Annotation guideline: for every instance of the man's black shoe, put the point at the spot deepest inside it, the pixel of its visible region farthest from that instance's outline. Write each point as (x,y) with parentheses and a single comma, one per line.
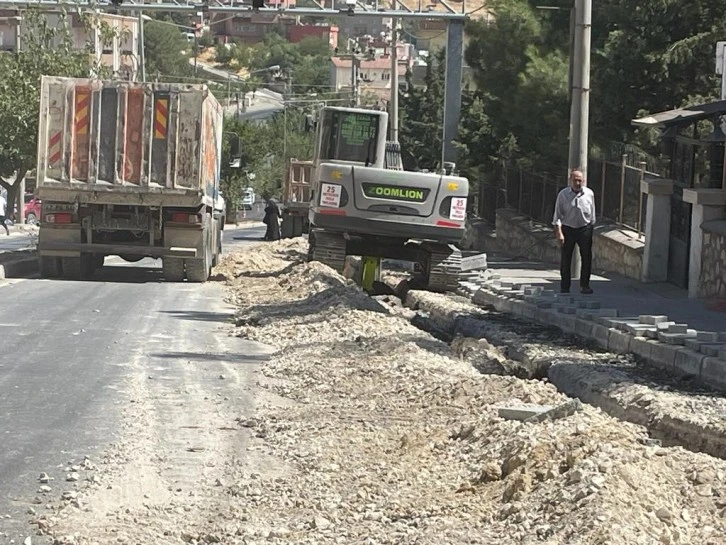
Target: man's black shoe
(586,291)
(564,291)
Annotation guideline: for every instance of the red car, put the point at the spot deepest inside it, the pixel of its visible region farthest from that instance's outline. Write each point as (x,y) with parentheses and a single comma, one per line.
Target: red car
(32,209)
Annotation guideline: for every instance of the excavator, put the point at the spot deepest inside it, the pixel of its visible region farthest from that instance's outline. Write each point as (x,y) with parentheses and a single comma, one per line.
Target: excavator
(362,202)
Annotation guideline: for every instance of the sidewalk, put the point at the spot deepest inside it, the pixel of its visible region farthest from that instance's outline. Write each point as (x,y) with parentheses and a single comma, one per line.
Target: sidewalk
(22,237)
(657,322)
(629,297)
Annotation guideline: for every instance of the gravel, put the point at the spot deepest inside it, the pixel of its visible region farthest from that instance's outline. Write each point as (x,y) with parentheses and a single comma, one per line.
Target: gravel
(393,437)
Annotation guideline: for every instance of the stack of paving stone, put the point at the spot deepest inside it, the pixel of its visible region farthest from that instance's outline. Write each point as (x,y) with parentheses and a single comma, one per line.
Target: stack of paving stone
(663,343)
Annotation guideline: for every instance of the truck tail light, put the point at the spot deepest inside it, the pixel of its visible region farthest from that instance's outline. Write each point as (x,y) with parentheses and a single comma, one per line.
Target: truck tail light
(183,217)
(59,217)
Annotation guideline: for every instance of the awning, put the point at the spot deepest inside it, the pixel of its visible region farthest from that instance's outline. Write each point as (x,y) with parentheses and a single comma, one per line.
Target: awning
(682,116)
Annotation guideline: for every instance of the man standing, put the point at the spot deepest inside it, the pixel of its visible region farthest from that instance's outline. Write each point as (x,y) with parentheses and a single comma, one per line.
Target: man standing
(574,220)
(3,204)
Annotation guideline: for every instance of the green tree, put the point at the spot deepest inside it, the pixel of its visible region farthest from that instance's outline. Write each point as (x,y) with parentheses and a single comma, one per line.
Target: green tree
(165,50)
(264,149)
(46,50)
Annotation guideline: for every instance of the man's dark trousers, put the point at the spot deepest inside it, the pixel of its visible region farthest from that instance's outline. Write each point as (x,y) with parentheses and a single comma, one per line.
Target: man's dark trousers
(582,236)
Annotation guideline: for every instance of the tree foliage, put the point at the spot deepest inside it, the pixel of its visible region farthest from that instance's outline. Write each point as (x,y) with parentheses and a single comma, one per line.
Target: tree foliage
(306,62)
(264,148)
(165,50)
(646,57)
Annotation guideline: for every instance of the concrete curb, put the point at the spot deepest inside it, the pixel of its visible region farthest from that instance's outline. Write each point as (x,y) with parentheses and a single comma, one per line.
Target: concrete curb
(616,334)
(612,390)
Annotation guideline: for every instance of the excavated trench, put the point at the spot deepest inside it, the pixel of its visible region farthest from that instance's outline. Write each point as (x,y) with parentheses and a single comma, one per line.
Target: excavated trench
(674,411)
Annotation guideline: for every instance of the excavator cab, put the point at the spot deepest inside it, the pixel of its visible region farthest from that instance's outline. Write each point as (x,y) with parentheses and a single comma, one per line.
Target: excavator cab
(351,136)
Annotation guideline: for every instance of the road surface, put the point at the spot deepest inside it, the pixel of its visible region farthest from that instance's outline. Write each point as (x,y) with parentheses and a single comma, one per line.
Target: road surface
(77,359)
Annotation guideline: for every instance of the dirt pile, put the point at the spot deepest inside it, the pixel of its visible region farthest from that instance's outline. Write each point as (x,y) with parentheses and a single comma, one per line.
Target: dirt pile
(394,439)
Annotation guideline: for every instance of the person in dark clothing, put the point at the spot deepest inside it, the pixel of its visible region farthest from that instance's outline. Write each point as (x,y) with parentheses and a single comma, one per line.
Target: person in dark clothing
(272,220)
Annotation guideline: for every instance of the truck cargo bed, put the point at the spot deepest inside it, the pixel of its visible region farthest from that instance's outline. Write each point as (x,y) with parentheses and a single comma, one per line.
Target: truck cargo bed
(121,142)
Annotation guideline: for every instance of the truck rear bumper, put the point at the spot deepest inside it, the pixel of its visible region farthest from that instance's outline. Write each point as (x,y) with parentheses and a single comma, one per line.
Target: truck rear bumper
(392,229)
(75,248)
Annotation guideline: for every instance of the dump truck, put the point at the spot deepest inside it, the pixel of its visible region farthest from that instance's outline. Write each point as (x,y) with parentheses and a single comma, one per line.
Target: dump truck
(132,170)
(363,204)
(296,198)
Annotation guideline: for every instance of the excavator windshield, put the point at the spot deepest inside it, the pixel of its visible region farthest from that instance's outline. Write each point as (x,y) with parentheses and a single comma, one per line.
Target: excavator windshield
(350,136)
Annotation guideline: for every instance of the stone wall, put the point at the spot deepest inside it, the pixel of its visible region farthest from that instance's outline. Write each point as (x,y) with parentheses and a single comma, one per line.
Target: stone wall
(713,260)
(615,249)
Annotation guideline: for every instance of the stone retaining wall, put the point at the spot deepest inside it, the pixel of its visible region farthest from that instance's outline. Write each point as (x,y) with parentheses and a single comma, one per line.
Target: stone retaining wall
(713,260)
(615,249)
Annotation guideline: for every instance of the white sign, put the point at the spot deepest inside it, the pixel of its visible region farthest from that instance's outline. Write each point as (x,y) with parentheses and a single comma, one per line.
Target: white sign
(458,209)
(330,195)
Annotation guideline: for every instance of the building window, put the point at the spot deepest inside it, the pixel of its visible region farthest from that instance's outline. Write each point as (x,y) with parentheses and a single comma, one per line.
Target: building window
(385,76)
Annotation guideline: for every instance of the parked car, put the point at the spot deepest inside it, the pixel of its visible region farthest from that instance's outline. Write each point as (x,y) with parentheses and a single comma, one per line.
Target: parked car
(32,209)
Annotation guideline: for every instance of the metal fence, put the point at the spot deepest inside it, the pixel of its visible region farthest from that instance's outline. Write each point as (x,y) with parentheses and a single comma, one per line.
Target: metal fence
(616,186)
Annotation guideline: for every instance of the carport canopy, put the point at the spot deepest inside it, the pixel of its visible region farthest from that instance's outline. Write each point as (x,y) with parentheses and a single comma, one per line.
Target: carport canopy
(682,116)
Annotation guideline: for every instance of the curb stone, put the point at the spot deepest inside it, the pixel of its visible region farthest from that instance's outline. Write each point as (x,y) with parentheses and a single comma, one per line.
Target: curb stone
(709,371)
(612,390)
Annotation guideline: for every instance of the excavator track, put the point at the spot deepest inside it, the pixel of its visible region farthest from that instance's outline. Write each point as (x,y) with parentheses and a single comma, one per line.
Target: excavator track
(443,268)
(328,248)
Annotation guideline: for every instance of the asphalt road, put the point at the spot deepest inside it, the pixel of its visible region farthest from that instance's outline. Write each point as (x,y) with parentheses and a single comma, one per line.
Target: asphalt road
(70,352)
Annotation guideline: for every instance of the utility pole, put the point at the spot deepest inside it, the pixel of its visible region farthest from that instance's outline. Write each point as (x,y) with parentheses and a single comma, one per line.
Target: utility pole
(580,106)
(394,79)
(142,59)
(452,90)
(355,78)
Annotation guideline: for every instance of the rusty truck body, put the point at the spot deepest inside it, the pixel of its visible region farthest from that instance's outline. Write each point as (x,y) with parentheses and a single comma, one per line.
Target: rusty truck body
(129,169)
(296,198)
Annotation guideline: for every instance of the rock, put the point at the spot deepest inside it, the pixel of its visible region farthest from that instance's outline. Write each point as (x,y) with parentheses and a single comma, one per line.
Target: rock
(575,476)
(28,541)
(664,514)
(491,472)
(45,489)
(320,523)
(72,477)
(44,478)
(70,495)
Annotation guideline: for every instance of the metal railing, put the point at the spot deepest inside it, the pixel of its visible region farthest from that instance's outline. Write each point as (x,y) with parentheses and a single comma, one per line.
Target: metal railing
(618,197)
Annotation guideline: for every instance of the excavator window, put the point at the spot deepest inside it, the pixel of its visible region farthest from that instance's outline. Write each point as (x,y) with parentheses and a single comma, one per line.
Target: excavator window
(349,136)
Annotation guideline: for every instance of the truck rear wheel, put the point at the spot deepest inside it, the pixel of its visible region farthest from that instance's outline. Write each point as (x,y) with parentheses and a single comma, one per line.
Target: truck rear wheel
(49,266)
(198,270)
(173,269)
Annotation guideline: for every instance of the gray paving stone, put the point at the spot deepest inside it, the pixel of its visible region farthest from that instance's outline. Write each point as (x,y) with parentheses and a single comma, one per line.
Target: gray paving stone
(676,338)
(652,319)
(639,330)
(678,328)
(663,355)
(707,336)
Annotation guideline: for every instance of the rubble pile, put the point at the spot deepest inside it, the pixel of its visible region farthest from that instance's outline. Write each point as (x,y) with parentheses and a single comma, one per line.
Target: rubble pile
(393,437)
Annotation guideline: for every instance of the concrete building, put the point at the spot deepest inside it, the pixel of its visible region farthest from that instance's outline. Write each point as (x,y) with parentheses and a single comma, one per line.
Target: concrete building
(120,55)
(374,75)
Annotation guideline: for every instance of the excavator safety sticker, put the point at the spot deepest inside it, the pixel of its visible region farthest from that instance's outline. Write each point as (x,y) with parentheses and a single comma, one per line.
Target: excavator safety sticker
(408,194)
